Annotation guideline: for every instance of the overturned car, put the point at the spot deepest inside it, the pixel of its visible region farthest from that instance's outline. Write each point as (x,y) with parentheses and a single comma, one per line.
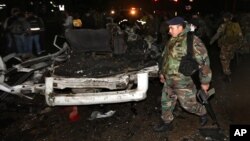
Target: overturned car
(84,71)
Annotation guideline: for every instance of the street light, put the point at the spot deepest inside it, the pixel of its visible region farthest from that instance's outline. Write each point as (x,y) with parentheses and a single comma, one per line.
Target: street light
(133,11)
(112,12)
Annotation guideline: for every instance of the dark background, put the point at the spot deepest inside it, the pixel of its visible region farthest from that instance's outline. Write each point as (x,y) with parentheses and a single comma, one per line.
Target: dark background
(203,6)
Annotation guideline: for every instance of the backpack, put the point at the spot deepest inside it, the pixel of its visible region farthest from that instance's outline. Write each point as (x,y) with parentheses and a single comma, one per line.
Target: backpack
(188,64)
(231,33)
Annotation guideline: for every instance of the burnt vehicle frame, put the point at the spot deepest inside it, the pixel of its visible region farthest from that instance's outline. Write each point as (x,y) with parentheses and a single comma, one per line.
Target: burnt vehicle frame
(122,86)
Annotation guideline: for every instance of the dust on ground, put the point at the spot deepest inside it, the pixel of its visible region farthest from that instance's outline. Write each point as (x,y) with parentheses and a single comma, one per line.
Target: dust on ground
(132,121)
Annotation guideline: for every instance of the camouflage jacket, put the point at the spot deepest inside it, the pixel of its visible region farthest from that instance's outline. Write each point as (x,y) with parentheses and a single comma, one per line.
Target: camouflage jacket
(223,38)
(177,48)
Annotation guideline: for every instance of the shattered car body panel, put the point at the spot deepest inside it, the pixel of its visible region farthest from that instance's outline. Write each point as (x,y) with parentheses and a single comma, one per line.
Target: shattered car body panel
(109,83)
(77,77)
(26,76)
(2,70)
(98,79)
(137,94)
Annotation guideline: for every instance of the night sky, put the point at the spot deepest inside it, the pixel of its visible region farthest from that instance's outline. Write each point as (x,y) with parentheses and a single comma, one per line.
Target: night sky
(198,5)
(204,6)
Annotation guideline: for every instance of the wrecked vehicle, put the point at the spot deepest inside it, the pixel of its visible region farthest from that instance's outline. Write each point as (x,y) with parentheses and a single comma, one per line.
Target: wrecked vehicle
(84,71)
(23,77)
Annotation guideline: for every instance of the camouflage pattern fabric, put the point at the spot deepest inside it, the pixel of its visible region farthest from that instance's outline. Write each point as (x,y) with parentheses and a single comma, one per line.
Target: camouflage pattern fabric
(182,88)
(227,44)
(178,86)
(232,33)
(226,55)
(177,48)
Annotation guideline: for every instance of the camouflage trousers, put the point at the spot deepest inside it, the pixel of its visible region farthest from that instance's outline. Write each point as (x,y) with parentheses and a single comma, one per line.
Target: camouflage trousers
(181,88)
(226,55)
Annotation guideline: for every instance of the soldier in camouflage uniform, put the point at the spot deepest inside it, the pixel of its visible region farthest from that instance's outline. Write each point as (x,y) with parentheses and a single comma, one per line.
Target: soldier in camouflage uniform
(176,85)
(229,38)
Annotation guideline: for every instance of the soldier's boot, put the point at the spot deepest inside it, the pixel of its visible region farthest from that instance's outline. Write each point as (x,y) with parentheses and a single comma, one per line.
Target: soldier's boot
(163,127)
(203,120)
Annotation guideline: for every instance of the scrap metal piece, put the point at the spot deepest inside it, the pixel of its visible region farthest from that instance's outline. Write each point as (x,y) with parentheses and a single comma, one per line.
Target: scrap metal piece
(97,114)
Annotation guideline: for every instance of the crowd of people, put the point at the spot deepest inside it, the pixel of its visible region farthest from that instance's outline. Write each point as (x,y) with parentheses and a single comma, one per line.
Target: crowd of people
(26,40)
(23,30)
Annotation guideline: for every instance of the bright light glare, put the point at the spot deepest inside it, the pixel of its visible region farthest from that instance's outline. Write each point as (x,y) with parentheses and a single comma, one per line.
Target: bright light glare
(61,8)
(141,21)
(112,12)
(124,20)
(2,6)
(133,11)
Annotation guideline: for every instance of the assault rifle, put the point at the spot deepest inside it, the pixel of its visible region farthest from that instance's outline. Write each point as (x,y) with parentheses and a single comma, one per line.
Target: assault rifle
(203,98)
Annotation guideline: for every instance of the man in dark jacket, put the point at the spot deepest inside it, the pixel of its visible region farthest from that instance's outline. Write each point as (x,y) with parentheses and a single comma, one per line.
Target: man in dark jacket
(36,26)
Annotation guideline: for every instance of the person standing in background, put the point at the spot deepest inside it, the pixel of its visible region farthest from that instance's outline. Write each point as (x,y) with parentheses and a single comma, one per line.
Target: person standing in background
(19,29)
(36,26)
(229,36)
(68,21)
(6,26)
